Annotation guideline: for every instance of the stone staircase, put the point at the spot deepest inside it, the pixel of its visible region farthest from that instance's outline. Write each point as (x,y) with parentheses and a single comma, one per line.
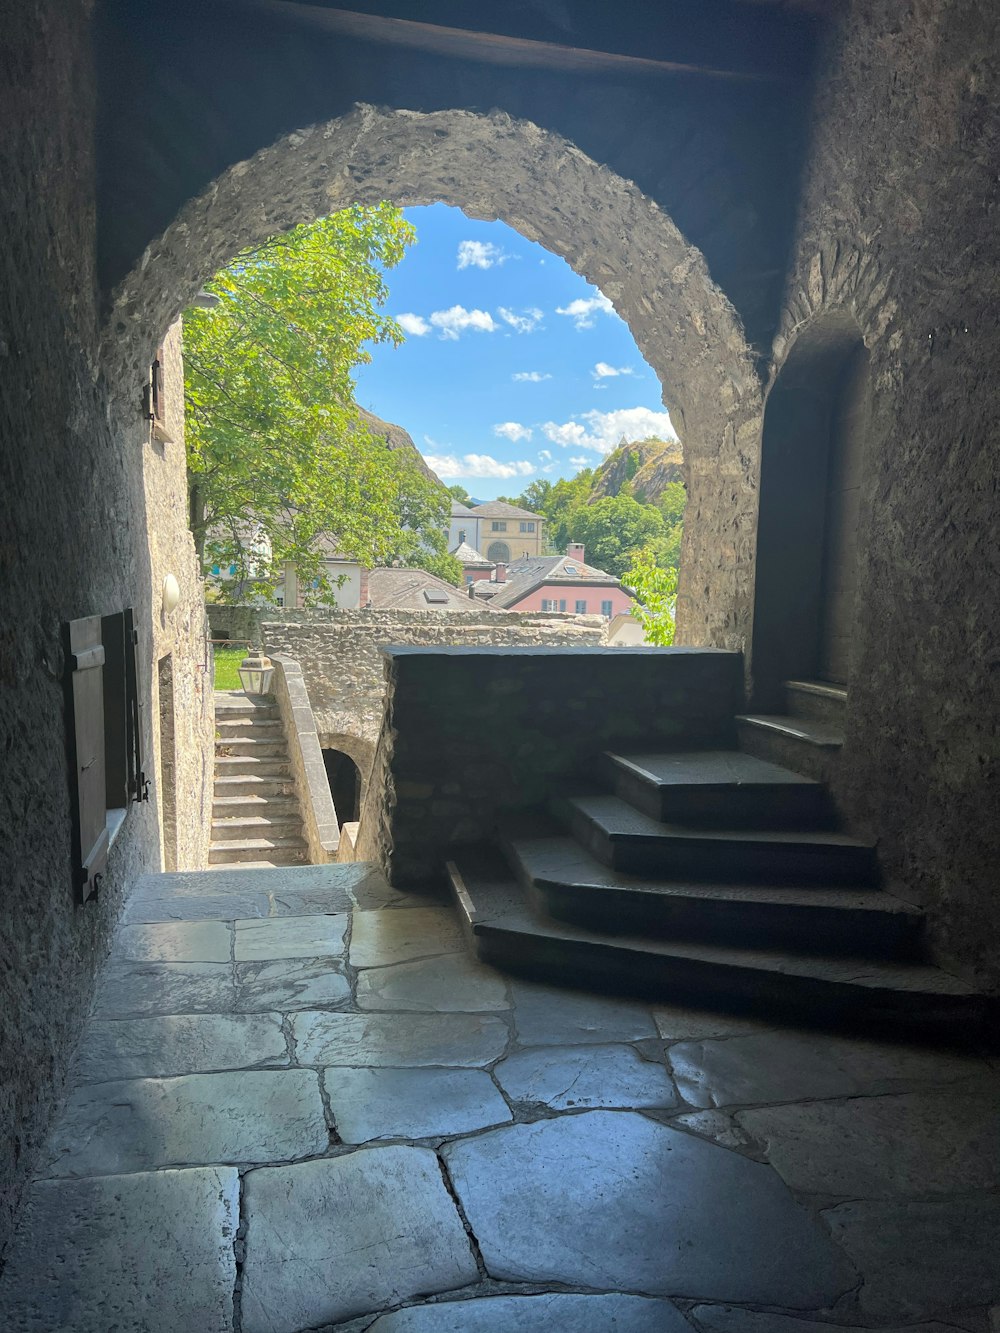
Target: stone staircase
(256,818)
(715,877)
(807,737)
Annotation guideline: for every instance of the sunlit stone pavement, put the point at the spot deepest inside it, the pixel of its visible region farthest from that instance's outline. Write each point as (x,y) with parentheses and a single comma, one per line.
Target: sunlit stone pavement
(300,1104)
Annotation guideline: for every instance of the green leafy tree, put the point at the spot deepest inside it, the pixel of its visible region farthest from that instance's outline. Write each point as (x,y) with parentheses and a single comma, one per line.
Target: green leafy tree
(460,494)
(656,592)
(613,529)
(278,458)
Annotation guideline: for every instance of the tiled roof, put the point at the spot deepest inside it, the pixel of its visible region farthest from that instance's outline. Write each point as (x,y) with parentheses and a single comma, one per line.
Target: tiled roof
(416,590)
(525,576)
(467,555)
(498,509)
(459,510)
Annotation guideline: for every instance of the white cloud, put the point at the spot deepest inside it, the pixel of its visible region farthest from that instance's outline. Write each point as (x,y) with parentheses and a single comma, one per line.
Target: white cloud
(477,465)
(523,323)
(602,371)
(601,431)
(546,463)
(581,461)
(583,310)
(512,430)
(415,325)
(530,376)
(457,320)
(480,254)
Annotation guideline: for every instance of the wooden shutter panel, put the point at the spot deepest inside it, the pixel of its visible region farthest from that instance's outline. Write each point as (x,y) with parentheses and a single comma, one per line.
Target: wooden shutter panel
(85,702)
(116,739)
(138,785)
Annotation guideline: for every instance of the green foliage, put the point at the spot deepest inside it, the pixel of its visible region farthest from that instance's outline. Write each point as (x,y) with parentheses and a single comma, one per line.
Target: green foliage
(277,456)
(656,592)
(227,662)
(460,494)
(614,528)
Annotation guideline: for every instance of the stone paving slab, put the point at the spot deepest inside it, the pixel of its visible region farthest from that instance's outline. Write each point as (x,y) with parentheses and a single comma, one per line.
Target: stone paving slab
(150,1252)
(548,1313)
(412,1103)
(786,1066)
(452,983)
(551,1016)
(380,938)
(585,1076)
(290,983)
(139,989)
(142,1124)
(922,1259)
(400,1040)
(718,1126)
(178,1044)
(187,908)
(723,1319)
(175,942)
(615,1200)
(679,1023)
(922,1143)
(291,937)
(338,1237)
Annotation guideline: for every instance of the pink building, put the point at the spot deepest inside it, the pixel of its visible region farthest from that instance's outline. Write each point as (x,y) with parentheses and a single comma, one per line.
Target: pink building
(556,583)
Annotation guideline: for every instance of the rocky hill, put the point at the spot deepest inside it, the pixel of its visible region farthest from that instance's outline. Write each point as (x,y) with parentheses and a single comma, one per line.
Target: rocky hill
(649,465)
(398,439)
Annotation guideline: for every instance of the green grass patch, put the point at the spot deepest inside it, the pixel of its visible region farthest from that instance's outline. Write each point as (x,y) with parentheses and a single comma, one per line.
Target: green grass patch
(227,663)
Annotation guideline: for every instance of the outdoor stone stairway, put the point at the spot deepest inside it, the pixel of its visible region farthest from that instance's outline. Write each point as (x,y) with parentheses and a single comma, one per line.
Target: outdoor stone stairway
(714,877)
(256,817)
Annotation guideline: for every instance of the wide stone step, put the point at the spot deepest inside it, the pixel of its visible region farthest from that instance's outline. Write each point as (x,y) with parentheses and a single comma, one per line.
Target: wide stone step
(843,990)
(257,826)
(284,851)
(235,747)
(804,745)
(252,728)
(719,787)
(818,701)
(248,784)
(623,837)
(252,765)
(564,882)
(274,807)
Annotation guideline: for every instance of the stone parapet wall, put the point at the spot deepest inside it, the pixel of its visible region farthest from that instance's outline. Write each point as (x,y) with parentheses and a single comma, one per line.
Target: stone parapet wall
(319,818)
(340,653)
(471,734)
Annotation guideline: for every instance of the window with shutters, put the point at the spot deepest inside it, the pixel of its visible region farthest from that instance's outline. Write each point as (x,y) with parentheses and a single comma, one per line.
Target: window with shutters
(581,607)
(606,609)
(104,737)
(156,400)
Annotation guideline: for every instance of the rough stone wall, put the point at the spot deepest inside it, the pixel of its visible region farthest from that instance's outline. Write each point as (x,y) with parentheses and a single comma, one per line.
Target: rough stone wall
(899,224)
(72,544)
(470,734)
(342,663)
(180,633)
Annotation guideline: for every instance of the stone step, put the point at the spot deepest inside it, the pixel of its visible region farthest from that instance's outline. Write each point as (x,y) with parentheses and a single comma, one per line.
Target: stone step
(248,784)
(564,882)
(283,851)
(841,991)
(273,807)
(626,839)
(252,765)
(266,729)
(234,747)
(719,787)
(802,744)
(237,704)
(818,701)
(257,826)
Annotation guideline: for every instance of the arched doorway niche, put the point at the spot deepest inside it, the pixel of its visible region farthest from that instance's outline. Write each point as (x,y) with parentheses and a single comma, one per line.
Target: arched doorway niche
(494,167)
(816,421)
(359,755)
(344,778)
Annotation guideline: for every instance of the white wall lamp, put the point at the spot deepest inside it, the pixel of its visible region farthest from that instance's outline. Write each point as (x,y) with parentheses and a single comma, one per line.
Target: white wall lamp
(171,594)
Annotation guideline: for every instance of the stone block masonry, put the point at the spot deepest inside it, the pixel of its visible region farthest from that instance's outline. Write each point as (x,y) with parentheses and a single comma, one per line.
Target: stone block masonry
(473,733)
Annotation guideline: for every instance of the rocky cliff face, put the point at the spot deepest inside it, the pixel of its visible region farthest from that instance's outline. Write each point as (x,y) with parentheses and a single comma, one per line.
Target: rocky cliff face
(398,439)
(649,465)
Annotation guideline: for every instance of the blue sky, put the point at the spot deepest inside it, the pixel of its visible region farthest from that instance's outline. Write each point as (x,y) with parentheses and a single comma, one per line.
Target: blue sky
(513,368)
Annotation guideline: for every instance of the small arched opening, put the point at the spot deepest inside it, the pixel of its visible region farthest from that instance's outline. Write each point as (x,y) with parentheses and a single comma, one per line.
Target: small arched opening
(344,778)
(499,552)
(815,426)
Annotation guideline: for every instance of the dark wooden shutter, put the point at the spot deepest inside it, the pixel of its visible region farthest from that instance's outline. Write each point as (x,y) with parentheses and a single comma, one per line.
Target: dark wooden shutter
(117,777)
(85,702)
(138,785)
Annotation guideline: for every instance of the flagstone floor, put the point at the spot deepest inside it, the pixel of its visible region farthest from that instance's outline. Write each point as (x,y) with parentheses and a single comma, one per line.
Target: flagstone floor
(300,1104)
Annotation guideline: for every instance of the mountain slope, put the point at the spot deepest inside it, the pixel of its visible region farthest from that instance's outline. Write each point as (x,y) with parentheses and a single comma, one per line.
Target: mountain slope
(648,465)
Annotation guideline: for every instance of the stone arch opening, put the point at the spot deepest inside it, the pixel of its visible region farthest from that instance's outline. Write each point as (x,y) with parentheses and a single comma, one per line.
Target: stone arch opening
(344,778)
(496,168)
(815,427)
(499,552)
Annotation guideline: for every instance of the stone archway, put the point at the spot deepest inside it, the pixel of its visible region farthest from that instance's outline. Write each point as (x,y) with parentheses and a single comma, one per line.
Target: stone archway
(494,167)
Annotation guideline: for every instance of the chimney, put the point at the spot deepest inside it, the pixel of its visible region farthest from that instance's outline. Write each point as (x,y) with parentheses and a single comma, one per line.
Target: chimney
(574,551)
(501,574)
(363,598)
(461,536)
(472,590)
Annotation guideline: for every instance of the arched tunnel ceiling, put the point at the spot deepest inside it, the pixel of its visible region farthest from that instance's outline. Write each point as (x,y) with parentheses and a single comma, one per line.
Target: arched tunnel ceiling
(182,101)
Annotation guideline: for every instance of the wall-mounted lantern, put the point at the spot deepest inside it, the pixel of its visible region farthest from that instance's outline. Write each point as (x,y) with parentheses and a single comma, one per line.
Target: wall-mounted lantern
(256,672)
(171,594)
